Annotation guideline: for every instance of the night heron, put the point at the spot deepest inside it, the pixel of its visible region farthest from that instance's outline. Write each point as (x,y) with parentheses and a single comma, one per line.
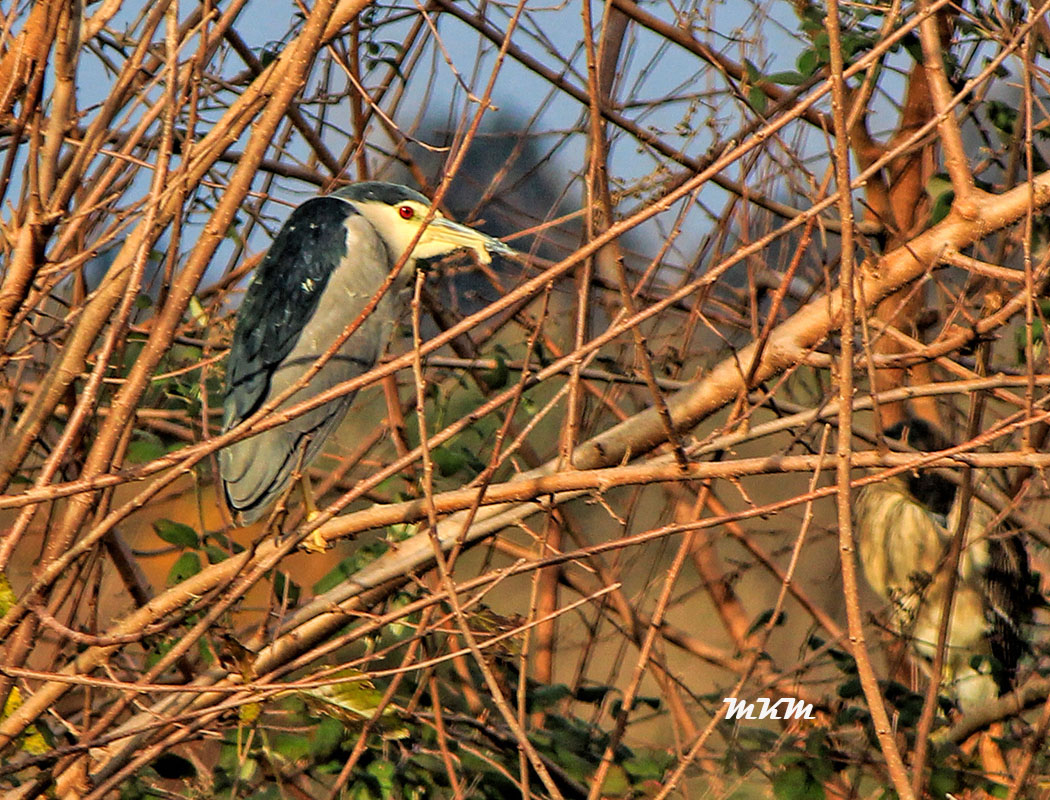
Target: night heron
(331,257)
(904,527)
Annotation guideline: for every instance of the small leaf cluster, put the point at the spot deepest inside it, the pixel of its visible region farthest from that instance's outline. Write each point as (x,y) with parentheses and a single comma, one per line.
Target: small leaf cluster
(307,736)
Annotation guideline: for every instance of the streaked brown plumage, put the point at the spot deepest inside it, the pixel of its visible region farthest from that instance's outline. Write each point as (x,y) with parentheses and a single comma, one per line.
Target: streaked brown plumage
(904,527)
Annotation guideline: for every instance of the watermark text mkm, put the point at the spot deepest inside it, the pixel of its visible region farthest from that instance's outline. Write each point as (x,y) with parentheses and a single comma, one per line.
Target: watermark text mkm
(793,709)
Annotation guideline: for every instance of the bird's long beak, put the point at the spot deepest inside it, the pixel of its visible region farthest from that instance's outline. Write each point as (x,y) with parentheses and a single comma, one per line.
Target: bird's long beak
(455,236)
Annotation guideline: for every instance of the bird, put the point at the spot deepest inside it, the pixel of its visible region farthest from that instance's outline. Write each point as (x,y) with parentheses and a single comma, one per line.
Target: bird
(330,258)
(904,527)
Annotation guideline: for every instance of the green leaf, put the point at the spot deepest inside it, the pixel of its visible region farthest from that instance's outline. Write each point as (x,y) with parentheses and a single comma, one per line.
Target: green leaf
(648,766)
(756,98)
(215,554)
(291,747)
(543,697)
(823,46)
(851,715)
(268,56)
(795,783)
(850,689)
(390,61)
(853,43)
(233,234)
(282,584)
(808,63)
(944,782)
(383,772)
(31,741)
(177,533)
(789,78)
(754,75)
(616,783)
(429,765)
(196,310)
(496,378)
(812,21)
(186,566)
(228,544)
(1021,341)
(1002,116)
(133,789)
(145,447)
(652,702)
(913,47)
(844,662)
(247,769)
(757,738)
(327,735)
(579,767)
(208,657)
(998,790)
(448,461)
(7,594)
(339,573)
(939,189)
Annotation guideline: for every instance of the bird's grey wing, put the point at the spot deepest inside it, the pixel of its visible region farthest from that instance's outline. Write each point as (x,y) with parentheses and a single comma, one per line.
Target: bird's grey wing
(317,277)
(281,299)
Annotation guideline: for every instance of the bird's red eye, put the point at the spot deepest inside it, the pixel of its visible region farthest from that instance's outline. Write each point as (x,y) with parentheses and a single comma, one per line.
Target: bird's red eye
(406,212)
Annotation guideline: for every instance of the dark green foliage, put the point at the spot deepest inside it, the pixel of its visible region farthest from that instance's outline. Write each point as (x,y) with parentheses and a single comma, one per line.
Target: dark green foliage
(497,377)
(186,566)
(797,782)
(939,189)
(285,589)
(545,697)
(451,460)
(404,758)
(144,446)
(176,533)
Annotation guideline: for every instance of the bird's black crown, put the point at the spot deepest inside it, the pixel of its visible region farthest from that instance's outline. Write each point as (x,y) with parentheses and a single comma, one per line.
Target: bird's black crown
(379,192)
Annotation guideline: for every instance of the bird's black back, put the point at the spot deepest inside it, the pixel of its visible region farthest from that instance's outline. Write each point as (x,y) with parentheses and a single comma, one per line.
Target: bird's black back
(281,300)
